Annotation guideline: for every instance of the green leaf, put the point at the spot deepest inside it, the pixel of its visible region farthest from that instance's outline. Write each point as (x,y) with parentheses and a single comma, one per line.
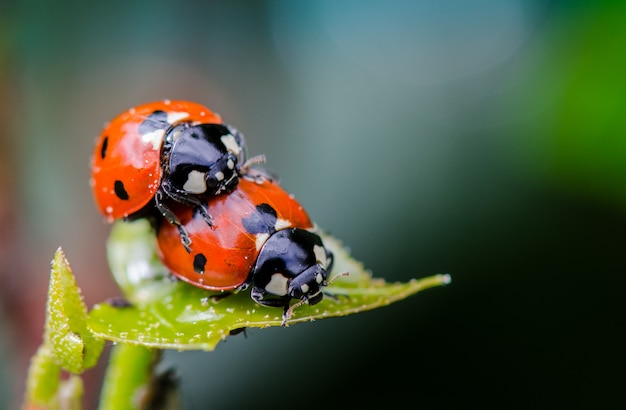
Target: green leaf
(73,345)
(135,265)
(68,344)
(186,317)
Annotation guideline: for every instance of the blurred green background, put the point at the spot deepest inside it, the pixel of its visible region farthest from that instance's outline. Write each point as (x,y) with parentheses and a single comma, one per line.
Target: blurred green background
(486,139)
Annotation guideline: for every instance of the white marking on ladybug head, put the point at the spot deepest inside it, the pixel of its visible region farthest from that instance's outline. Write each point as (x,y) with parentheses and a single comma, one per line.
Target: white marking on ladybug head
(278,285)
(319,278)
(176,117)
(304,288)
(320,255)
(196,183)
(219,175)
(155,138)
(231,143)
(230,164)
(260,240)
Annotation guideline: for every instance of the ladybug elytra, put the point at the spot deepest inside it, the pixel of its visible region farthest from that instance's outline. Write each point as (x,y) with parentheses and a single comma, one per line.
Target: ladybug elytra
(163,150)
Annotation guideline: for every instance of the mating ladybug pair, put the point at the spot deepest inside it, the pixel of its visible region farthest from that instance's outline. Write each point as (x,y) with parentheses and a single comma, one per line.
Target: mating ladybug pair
(220,224)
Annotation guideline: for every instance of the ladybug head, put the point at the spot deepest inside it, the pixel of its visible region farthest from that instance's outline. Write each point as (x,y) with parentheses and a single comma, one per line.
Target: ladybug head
(307,286)
(202,159)
(223,176)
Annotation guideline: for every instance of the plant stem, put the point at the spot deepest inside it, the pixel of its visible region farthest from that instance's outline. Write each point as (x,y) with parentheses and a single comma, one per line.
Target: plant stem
(129,378)
(43,380)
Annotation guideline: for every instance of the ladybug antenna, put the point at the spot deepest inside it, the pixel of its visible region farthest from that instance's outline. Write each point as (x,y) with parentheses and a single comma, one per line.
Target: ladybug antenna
(337,276)
(290,309)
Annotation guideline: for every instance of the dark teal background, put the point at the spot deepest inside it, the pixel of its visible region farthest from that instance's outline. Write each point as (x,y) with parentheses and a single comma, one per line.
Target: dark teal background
(486,140)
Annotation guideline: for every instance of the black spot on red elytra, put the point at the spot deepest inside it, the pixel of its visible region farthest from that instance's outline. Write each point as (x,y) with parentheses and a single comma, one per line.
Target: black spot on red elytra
(103,148)
(120,191)
(155,121)
(262,221)
(199,262)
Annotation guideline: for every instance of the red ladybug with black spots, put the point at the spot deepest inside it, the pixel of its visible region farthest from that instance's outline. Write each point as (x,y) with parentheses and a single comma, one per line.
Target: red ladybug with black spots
(261,236)
(165,150)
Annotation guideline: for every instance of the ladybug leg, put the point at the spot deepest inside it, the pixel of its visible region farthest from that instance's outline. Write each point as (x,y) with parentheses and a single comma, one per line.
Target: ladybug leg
(184,238)
(171,218)
(203,209)
(261,297)
(257,174)
(256,160)
(238,331)
(191,201)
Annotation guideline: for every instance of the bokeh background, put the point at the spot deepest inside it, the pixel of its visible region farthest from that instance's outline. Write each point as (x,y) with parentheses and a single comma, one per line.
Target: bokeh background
(486,139)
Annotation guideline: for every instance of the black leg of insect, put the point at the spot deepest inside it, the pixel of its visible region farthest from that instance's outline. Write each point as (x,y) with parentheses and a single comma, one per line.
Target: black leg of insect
(171,218)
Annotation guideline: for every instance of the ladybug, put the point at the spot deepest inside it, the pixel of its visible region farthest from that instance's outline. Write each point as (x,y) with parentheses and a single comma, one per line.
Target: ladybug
(162,150)
(261,236)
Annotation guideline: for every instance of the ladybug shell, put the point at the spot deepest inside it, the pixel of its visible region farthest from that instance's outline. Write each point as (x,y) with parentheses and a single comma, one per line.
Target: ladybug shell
(223,256)
(126,163)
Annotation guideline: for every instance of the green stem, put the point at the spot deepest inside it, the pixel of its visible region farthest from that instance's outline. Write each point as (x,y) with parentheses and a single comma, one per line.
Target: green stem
(43,380)
(129,378)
